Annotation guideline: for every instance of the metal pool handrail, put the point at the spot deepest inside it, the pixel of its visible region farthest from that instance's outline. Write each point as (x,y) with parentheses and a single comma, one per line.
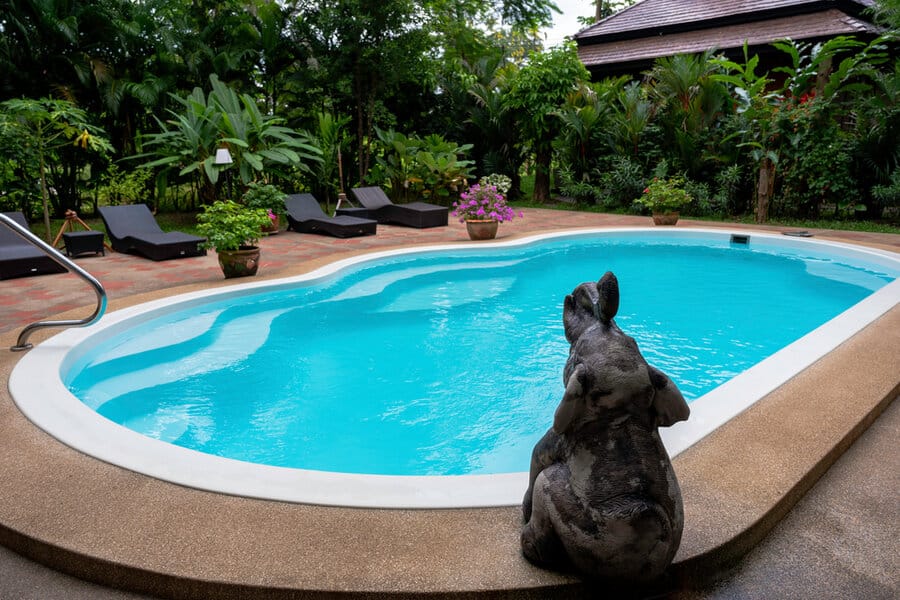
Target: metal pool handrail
(22,343)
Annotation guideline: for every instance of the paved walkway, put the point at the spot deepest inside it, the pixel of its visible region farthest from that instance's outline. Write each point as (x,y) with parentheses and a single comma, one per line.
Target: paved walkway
(841,540)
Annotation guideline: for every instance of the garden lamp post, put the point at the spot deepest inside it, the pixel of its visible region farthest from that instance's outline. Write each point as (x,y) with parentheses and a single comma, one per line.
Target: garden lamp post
(223,157)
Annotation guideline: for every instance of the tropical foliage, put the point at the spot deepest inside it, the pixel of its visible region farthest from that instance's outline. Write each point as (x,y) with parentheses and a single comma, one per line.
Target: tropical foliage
(41,129)
(430,168)
(817,134)
(423,97)
(259,145)
(535,93)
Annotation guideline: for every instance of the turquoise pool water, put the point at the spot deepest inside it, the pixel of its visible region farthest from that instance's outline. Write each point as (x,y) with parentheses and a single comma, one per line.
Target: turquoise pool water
(448,362)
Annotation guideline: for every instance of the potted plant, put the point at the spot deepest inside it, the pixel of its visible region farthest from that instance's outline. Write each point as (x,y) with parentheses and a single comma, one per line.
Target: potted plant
(498,180)
(482,208)
(268,197)
(664,198)
(233,231)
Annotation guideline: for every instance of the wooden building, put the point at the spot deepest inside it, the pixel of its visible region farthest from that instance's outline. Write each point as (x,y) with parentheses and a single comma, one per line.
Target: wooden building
(629,41)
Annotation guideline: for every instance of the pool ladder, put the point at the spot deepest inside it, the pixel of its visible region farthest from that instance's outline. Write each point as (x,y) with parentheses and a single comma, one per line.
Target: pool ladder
(22,343)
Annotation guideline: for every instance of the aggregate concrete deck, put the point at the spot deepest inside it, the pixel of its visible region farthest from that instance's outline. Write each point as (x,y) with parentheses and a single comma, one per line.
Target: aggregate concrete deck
(122,529)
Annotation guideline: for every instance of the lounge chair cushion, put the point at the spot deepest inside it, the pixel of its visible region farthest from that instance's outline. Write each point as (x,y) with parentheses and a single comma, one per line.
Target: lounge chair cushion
(305,215)
(133,229)
(413,214)
(20,258)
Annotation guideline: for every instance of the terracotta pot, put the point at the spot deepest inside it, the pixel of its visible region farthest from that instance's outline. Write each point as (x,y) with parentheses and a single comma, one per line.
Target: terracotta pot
(239,263)
(669,218)
(272,228)
(482,230)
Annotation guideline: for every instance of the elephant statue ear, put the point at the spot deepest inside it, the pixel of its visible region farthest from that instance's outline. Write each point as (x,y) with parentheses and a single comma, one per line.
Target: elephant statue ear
(608,295)
(572,403)
(668,403)
(580,311)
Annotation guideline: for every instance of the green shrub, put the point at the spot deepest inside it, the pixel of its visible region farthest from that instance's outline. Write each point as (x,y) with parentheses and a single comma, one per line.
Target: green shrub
(582,192)
(816,170)
(264,195)
(728,187)
(498,180)
(622,183)
(121,187)
(702,202)
(888,196)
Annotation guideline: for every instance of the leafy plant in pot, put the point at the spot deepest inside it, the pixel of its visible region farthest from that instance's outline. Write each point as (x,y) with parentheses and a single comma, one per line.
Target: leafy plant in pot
(233,231)
(665,198)
(268,197)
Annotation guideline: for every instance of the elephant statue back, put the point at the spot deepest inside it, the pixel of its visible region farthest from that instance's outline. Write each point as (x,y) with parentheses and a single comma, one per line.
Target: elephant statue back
(603,498)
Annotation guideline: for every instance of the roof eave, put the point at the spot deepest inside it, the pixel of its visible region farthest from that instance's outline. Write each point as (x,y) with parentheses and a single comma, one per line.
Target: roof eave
(584,37)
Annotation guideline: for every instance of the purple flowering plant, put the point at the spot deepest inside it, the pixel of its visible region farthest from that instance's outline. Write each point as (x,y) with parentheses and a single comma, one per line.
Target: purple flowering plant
(482,202)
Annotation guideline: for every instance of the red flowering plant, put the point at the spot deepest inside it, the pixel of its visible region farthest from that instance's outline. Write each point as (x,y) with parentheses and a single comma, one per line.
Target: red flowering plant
(482,202)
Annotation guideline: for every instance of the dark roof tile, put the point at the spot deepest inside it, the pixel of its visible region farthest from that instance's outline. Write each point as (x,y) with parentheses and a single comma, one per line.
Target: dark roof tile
(649,15)
(816,25)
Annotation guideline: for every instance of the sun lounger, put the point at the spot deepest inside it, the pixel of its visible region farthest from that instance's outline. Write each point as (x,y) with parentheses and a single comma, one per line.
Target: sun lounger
(132,229)
(305,215)
(414,214)
(20,258)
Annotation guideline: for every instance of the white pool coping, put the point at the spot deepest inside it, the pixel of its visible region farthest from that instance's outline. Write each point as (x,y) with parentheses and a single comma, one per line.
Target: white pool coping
(37,388)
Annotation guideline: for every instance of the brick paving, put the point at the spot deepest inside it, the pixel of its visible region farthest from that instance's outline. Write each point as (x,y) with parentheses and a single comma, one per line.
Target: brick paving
(30,299)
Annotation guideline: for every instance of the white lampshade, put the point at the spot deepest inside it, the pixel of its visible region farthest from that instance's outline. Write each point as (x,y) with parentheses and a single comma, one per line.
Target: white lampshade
(223,156)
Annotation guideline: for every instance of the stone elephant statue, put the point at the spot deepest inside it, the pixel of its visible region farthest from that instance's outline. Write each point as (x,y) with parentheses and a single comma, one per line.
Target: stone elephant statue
(602,495)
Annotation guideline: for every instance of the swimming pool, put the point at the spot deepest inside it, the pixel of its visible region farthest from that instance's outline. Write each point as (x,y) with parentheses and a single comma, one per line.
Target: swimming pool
(370,289)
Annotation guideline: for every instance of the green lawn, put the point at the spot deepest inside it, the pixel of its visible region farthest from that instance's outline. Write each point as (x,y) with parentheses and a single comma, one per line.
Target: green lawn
(187,222)
(839,224)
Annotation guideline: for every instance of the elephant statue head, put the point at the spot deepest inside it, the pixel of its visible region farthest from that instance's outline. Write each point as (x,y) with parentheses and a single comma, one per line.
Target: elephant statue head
(606,371)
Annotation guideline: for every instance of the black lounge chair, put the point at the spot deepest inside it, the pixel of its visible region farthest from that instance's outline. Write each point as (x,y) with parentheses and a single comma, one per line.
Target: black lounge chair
(132,229)
(305,215)
(19,257)
(414,214)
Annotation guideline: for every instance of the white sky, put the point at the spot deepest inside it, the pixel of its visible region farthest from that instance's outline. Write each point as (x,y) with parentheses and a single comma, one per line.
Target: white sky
(567,23)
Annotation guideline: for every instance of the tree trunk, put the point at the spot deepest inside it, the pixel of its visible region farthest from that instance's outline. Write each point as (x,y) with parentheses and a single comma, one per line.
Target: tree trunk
(207,191)
(364,96)
(542,158)
(45,197)
(360,139)
(370,130)
(515,188)
(822,75)
(764,189)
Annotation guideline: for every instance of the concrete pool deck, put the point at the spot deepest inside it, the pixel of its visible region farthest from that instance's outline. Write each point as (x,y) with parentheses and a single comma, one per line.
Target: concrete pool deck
(118,528)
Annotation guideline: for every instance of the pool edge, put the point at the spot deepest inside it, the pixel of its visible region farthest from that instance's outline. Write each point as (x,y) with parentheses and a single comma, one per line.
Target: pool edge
(782,444)
(221,475)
